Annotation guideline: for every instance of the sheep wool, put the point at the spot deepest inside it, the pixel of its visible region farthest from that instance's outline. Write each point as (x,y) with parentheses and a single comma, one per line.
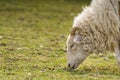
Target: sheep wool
(99,24)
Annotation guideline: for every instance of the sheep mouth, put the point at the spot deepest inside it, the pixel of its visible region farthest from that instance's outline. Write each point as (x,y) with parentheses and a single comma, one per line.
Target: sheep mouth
(74,66)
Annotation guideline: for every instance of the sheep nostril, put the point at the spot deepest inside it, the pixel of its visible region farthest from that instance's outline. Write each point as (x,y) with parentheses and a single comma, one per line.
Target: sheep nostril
(68,64)
(73,66)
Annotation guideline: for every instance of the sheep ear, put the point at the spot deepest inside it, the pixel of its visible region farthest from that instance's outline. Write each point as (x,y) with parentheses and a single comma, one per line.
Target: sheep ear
(78,38)
(74,29)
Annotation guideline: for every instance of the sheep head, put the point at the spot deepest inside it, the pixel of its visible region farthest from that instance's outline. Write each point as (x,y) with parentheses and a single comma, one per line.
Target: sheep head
(77,47)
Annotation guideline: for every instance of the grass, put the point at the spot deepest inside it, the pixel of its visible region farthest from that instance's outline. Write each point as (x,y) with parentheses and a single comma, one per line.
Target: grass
(32,43)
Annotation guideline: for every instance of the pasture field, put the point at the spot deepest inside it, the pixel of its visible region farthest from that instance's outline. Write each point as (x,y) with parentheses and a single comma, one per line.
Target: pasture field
(33,37)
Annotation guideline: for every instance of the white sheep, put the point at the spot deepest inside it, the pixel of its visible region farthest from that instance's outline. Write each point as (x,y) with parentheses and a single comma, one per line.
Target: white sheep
(95,30)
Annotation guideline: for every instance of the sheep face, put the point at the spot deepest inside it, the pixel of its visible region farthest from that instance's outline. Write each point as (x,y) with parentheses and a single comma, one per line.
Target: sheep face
(76,54)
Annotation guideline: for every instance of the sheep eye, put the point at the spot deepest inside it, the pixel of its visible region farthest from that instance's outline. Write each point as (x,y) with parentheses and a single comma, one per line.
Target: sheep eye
(72,46)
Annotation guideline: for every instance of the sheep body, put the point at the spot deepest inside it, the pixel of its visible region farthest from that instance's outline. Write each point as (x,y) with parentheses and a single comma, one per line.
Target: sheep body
(95,30)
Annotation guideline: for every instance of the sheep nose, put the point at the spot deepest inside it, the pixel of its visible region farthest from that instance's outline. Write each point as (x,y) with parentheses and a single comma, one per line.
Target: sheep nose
(68,64)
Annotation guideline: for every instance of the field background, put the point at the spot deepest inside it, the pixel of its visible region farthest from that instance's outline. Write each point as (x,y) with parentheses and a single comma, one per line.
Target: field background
(33,37)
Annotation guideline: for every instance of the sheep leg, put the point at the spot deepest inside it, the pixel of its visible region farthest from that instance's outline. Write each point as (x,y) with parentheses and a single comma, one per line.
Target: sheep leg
(117,52)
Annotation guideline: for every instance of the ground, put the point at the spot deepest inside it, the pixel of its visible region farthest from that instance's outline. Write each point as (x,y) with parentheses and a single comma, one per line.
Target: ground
(33,37)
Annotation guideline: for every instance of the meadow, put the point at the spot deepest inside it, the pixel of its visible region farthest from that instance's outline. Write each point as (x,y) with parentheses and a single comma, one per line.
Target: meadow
(33,37)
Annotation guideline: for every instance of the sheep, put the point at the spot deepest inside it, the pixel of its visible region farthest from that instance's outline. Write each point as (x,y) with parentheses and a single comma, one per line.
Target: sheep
(95,30)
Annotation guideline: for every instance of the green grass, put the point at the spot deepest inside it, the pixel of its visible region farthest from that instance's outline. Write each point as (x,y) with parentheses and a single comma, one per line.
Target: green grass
(33,37)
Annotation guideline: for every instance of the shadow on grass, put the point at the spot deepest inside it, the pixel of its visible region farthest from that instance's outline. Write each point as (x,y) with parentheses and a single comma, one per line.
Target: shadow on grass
(94,70)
